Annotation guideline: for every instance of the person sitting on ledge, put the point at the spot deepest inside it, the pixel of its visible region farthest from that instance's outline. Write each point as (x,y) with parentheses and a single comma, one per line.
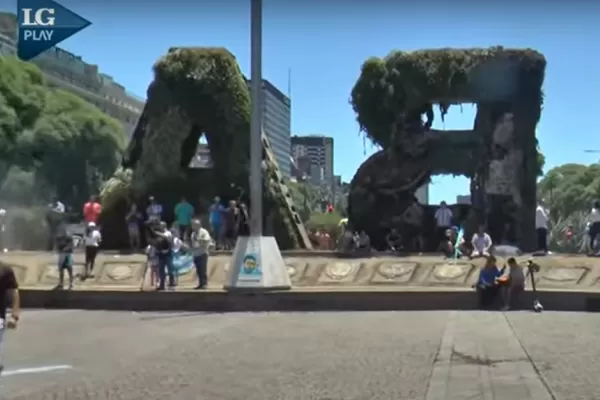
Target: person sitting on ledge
(482,243)
(487,283)
(363,242)
(449,246)
(394,240)
(515,284)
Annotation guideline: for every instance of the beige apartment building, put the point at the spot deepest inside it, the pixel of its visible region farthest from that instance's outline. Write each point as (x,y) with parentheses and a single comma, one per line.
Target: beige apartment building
(68,71)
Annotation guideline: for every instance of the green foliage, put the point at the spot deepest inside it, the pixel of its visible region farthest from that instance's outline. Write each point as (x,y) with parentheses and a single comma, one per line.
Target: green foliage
(117,189)
(569,189)
(325,222)
(67,143)
(557,241)
(208,86)
(403,82)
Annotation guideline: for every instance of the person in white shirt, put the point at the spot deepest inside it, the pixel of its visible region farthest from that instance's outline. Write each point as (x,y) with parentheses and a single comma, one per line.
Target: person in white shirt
(594,220)
(482,242)
(541,228)
(200,241)
(443,219)
(91,242)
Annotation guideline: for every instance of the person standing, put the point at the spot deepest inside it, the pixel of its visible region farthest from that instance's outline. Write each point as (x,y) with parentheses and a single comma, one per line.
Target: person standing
(133,220)
(9,289)
(200,244)
(55,217)
(64,247)
(413,223)
(164,248)
(184,212)
(244,229)
(443,220)
(154,210)
(541,228)
(215,217)
(594,220)
(92,210)
(91,241)
(232,223)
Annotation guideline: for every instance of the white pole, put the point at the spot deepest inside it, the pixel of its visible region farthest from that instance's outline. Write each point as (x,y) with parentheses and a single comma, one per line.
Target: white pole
(256,189)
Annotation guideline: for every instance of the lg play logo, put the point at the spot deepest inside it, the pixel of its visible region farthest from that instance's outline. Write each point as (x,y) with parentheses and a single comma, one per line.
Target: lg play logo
(43,24)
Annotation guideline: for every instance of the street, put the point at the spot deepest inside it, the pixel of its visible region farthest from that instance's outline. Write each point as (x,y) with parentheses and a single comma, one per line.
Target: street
(82,355)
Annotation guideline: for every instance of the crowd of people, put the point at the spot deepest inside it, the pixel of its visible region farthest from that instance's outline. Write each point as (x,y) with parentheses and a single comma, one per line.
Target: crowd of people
(165,244)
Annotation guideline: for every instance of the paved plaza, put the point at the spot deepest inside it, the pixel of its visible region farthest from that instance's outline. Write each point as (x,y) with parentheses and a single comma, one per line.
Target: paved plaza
(100,355)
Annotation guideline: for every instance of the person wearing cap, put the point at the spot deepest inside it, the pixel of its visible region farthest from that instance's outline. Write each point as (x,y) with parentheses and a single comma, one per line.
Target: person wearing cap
(91,242)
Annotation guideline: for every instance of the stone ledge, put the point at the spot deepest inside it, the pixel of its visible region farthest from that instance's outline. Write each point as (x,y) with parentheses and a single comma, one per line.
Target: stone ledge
(295,300)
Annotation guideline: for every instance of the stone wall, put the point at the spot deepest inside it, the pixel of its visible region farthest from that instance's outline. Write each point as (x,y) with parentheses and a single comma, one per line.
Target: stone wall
(125,272)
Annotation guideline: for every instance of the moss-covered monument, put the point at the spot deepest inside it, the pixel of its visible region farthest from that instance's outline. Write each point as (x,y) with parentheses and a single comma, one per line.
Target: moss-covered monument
(499,154)
(195,92)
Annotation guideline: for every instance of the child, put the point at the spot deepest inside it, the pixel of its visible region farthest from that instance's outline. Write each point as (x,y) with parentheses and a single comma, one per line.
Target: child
(515,284)
(64,247)
(152,262)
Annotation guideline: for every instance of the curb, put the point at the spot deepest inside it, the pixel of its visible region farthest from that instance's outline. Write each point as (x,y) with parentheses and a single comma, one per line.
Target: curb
(291,301)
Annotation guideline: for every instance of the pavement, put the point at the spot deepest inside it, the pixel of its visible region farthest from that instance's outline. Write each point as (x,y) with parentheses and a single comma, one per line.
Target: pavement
(68,354)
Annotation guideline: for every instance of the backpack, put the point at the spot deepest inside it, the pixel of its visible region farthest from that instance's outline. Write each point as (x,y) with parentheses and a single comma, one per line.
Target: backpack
(163,244)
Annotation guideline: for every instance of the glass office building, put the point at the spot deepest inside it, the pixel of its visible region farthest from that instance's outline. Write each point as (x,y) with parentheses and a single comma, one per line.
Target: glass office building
(277,124)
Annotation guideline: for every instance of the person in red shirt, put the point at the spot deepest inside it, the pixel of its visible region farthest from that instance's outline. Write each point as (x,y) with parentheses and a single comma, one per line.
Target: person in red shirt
(91,210)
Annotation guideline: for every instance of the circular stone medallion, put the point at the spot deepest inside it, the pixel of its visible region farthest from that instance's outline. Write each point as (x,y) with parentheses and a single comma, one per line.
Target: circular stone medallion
(120,272)
(450,271)
(338,270)
(394,271)
(564,274)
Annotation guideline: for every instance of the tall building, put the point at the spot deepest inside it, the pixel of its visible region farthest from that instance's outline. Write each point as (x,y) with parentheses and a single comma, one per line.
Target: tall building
(277,124)
(69,72)
(319,151)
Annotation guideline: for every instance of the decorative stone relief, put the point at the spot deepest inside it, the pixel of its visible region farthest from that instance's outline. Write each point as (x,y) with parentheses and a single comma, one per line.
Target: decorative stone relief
(119,272)
(564,275)
(396,271)
(451,271)
(338,270)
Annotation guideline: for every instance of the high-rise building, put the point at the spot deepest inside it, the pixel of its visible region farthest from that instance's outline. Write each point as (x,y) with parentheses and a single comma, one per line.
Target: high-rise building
(277,124)
(69,72)
(319,150)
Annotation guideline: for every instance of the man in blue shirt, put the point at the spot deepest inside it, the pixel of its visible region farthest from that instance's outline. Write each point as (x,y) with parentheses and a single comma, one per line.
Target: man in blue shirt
(184,212)
(215,217)
(487,284)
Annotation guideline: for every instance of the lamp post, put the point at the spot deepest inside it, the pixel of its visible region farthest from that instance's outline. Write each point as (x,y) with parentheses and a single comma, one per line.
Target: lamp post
(256,195)
(257,263)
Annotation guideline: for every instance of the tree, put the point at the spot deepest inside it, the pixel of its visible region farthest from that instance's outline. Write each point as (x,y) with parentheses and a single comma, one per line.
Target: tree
(570,188)
(66,142)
